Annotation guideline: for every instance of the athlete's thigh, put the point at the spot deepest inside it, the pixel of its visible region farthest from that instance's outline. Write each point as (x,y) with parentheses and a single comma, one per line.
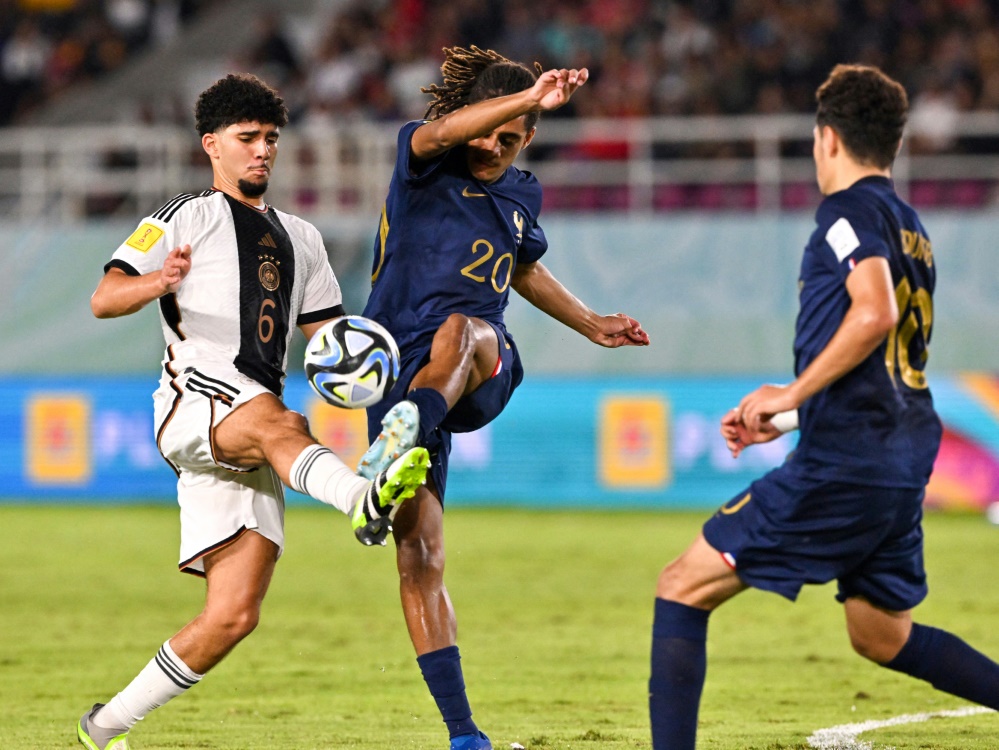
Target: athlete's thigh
(485,403)
(699,577)
(239,438)
(487,350)
(240,573)
(190,406)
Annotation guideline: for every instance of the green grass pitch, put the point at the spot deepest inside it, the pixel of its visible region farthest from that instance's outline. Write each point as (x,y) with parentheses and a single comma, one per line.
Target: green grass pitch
(554,611)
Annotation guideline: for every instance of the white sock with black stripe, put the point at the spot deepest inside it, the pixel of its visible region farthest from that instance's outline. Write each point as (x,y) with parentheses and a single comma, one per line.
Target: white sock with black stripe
(318,472)
(163,678)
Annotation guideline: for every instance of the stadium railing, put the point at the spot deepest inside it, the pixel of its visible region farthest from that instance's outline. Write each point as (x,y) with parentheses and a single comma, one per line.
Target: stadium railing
(749,163)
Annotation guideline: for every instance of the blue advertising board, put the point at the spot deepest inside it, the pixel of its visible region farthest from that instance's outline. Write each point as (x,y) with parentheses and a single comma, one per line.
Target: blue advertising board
(562,442)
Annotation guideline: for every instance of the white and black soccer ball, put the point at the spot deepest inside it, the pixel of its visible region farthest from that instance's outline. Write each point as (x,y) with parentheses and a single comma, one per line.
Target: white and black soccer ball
(352,362)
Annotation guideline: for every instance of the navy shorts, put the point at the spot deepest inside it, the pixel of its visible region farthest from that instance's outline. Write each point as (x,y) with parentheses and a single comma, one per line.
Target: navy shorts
(473,411)
(787,530)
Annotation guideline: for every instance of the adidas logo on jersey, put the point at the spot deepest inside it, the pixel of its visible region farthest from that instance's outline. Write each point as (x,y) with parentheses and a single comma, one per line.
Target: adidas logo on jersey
(267,241)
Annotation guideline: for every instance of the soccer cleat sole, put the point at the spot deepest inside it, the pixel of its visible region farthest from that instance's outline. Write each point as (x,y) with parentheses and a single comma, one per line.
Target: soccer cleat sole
(400,428)
(402,486)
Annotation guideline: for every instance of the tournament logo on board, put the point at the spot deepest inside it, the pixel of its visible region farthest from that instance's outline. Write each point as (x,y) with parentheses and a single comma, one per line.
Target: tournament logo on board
(57,434)
(633,433)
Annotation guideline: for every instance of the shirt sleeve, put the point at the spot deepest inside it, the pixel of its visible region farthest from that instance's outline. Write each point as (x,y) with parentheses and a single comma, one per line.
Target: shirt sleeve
(323,298)
(853,237)
(146,248)
(535,244)
(404,156)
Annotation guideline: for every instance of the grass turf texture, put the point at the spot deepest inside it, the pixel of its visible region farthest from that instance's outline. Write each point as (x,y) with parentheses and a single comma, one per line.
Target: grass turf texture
(554,612)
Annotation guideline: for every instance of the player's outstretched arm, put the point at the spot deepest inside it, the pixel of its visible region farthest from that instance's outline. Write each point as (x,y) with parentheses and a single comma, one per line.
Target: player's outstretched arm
(551,91)
(872,314)
(537,285)
(119,294)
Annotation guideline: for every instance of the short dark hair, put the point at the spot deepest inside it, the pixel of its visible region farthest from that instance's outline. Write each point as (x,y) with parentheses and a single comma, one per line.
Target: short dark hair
(474,75)
(239,97)
(867,109)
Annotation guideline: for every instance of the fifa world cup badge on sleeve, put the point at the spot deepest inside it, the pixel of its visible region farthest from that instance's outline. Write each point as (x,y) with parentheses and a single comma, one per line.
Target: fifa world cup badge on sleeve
(144,237)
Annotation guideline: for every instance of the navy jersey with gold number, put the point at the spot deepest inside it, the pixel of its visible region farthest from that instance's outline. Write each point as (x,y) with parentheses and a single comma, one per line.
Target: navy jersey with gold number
(448,243)
(876,425)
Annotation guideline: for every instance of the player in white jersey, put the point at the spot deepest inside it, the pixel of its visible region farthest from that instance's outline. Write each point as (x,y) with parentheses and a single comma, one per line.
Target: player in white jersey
(233,277)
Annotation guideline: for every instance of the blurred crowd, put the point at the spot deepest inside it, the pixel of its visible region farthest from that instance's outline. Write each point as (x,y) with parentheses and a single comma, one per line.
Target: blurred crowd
(369,58)
(648,57)
(46,46)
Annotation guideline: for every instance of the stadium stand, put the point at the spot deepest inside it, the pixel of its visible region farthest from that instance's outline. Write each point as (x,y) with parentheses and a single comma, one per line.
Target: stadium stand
(363,61)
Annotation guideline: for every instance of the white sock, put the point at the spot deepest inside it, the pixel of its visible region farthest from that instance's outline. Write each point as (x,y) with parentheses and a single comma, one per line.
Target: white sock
(318,472)
(163,678)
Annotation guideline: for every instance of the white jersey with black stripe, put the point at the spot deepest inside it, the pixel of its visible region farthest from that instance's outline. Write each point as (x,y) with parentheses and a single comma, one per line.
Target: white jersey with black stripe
(255,275)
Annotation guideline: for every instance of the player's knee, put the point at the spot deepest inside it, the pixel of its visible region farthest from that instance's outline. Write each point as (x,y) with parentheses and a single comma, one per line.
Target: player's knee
(294,422)
(874,647)
(672,583)
(235,622)
(457,331)
(419,560)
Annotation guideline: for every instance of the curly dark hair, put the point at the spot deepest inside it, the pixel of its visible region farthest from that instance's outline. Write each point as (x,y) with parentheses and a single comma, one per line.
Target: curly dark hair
(867,109)
(238,98)
(474,75)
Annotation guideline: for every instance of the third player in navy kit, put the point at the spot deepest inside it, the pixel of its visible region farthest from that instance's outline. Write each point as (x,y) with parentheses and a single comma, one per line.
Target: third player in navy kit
(847,503)
(458,231)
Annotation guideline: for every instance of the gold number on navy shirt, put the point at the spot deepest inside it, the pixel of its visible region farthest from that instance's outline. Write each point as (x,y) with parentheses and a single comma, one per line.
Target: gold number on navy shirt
(910,302)
(497,278)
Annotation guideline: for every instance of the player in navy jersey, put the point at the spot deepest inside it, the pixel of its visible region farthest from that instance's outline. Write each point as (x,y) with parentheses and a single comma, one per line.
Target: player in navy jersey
(232,277)
(847,503)
(460,229)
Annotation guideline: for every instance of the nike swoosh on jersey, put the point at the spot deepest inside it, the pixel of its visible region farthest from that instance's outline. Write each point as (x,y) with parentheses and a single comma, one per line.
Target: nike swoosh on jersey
(467,194)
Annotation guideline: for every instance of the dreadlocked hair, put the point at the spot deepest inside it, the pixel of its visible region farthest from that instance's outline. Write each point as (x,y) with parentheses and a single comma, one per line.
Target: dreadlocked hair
(474,75)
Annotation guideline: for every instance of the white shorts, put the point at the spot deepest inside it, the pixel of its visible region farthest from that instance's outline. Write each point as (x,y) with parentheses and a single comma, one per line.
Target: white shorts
(218,502)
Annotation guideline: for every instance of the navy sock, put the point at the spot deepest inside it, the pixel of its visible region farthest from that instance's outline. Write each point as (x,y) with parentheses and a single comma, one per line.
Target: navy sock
(442,673)
(433,409)
(949,664)
(679,663)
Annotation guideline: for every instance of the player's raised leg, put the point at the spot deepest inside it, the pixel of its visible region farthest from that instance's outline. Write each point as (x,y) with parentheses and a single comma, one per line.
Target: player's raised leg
(264,431)
(464,354)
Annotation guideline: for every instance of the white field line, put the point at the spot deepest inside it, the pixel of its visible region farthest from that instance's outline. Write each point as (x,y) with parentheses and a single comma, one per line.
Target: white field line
(844,737)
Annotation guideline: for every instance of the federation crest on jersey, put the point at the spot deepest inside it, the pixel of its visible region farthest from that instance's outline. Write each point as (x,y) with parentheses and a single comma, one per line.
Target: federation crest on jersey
(270,277)
(518,221)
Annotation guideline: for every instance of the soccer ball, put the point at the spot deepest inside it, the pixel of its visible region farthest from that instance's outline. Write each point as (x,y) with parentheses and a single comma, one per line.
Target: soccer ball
(352,362)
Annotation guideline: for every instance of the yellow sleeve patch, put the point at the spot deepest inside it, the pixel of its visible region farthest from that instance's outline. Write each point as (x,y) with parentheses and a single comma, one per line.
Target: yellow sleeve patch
(144,237)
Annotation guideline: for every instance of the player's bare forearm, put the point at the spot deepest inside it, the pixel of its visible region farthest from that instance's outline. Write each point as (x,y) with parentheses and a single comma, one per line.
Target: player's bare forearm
(119,294)
(872,314)
(552,90)
(535,283)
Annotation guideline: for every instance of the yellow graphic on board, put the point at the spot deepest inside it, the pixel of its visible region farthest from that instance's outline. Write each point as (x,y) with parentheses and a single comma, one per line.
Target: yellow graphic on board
(57,435)
(343,431)
(633,442)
